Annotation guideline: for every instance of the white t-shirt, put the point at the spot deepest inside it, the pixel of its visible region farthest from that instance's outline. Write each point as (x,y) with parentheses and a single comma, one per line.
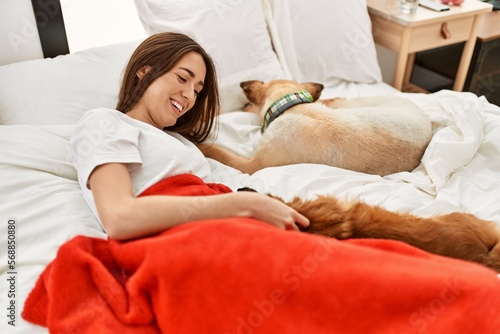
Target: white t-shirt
(106,135)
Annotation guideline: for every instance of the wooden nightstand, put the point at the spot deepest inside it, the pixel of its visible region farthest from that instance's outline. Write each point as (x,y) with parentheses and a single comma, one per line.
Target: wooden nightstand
(484,74)
(407,34)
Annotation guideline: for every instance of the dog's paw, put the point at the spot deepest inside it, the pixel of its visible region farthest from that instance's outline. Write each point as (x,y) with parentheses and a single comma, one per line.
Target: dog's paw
(207,149)
(202,146)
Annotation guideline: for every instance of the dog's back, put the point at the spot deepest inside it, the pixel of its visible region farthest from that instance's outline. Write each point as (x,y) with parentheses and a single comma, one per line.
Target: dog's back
(376,135)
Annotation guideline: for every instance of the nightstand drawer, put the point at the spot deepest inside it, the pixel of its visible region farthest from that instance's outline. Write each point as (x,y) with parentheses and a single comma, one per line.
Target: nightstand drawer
(439,34)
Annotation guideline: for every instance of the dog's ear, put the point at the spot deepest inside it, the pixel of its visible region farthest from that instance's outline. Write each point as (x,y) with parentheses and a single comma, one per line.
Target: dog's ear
(314,89)
(252,90)
(250,85)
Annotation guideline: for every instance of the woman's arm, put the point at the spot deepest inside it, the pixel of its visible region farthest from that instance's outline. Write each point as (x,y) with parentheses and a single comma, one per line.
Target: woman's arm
(125,216)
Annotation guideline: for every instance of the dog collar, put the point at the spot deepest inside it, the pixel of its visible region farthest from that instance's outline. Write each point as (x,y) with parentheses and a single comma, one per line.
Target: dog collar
(283,103)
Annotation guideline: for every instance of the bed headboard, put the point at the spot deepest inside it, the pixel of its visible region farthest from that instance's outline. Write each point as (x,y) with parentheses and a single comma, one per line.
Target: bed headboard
(50,25)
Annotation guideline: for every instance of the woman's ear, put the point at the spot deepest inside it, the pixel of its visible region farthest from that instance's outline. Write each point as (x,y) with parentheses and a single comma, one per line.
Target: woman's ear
(143,71)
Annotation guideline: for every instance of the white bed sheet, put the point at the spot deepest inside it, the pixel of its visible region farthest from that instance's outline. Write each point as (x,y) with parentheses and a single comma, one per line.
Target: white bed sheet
(460,171)
(39,190)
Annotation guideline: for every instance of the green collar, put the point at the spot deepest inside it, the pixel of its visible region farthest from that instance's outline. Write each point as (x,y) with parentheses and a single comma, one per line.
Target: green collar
(283,103)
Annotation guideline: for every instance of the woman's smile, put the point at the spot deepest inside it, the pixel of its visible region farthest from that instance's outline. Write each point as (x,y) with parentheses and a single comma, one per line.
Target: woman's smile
(177,106)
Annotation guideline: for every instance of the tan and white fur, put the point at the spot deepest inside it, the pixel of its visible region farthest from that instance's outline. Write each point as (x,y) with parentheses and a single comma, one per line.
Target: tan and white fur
(376,135)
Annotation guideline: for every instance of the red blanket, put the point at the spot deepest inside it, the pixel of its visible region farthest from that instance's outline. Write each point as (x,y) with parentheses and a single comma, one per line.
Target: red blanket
(243,276)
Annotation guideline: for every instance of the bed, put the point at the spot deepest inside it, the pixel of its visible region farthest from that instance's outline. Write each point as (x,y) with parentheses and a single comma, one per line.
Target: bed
(42,208)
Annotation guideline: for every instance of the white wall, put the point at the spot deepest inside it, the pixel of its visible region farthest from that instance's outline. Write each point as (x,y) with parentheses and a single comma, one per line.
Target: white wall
(89,23)
(18,32)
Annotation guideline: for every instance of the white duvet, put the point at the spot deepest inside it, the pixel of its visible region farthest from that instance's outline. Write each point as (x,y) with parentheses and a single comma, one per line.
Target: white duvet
(460,171)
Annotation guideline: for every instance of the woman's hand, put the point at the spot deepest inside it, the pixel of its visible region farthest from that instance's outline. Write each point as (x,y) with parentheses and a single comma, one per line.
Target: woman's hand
(271,211)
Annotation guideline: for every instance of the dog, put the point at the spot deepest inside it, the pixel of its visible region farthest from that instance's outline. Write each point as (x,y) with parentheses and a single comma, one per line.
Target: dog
(376,135)
(457,235)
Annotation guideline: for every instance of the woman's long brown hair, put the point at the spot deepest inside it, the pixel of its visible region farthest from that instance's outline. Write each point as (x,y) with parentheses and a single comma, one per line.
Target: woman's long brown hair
(161,52)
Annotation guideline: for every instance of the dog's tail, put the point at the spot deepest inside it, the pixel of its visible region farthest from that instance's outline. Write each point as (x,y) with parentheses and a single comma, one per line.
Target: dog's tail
(492,259)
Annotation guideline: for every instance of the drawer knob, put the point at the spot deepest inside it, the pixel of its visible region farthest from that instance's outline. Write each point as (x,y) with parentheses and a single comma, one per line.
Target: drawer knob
(445,33)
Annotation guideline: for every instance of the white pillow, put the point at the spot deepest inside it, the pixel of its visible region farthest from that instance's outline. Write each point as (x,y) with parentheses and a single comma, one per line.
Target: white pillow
(60,90)
(233,32)
(326,40)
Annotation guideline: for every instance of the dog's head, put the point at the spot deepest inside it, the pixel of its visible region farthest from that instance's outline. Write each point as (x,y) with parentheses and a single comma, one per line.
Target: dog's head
(262,94)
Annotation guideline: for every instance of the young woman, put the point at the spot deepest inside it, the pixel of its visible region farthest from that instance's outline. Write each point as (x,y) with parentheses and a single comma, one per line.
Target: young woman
(168,100)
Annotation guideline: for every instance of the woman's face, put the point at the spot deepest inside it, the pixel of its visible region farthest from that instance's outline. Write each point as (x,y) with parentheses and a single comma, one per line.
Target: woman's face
(171,95)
